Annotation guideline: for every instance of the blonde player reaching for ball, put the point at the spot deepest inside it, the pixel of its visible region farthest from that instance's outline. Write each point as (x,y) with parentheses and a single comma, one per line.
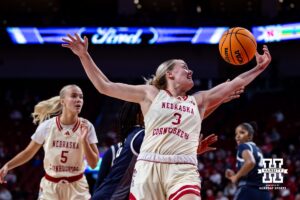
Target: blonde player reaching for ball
(66,139)
(167,163)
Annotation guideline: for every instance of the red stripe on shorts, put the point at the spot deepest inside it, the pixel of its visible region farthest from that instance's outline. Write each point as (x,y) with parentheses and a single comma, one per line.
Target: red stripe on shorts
(189,191)
(186,189)
(131,196)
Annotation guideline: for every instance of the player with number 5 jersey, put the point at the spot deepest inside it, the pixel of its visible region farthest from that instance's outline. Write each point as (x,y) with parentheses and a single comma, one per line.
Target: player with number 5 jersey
(66,139)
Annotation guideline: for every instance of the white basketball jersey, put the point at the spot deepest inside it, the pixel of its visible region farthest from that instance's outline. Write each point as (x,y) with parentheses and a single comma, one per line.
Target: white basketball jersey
(63,151)
(172,125)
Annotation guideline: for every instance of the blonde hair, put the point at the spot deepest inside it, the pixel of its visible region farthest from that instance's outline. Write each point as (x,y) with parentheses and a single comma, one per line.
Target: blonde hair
(159,79)
(50,107)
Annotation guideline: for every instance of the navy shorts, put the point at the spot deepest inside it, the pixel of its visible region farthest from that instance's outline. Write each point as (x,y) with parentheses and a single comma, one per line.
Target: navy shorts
(251,193)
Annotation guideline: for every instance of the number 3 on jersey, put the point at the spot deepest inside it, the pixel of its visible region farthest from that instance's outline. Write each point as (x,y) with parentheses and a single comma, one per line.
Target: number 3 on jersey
(177,119)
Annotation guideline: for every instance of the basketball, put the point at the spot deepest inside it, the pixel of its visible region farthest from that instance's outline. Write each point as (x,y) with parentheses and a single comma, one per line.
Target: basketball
(237,46)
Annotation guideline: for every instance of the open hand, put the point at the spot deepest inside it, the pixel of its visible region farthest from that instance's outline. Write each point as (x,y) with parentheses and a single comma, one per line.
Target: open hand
(231,175)
(263,60)
(76,44)
(3,172)
(84,129)
(204,145)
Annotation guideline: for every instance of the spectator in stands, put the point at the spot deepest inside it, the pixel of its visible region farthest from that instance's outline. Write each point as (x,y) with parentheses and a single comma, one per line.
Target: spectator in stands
(220,196)
(230,189)
(5,193)
(66,139)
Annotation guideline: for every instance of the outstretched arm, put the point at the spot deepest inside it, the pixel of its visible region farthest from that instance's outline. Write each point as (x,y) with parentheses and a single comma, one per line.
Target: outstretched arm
(236,94)
(19,159)
(117,90)
(214,96)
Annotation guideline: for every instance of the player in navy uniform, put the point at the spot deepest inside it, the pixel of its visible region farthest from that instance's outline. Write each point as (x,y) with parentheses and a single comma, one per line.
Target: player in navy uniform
(249,160)
(116,184)
(106,163)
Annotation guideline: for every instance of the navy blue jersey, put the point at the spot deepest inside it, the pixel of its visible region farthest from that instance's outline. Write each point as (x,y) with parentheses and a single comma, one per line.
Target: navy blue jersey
(249,185)
(252,178)
(106,163)
(116,185)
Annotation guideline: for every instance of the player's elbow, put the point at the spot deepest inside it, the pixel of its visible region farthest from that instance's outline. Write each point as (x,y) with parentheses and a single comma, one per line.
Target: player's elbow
(103,87)
(108,88)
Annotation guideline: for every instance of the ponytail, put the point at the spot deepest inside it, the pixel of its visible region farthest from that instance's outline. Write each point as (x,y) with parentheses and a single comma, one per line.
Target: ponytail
(45,109)
(51,107)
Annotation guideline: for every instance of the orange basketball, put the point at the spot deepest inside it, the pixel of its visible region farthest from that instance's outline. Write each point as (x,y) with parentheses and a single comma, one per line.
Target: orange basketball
(237,46)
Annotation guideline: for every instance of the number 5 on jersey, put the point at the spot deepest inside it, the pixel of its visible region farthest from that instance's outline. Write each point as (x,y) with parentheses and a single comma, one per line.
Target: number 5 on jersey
(63,156)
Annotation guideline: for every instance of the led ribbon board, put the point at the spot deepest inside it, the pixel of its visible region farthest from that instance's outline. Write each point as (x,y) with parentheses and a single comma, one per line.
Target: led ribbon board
(119,35)
(276,33)
(147,35)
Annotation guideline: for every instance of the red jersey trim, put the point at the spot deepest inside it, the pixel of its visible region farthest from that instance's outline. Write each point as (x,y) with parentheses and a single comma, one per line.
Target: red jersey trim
(58,123)
(76,126)
(182,98)
(69,179)
(60,128)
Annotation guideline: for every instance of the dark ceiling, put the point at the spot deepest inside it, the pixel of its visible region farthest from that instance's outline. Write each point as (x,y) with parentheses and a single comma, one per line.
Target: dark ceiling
(148,12)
